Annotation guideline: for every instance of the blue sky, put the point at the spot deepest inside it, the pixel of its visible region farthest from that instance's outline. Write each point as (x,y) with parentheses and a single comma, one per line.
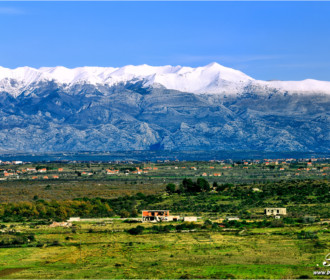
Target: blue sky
(266,40)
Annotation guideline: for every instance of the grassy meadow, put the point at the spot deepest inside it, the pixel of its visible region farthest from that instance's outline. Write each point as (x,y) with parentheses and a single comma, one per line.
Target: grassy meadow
(255,247)
(100,251)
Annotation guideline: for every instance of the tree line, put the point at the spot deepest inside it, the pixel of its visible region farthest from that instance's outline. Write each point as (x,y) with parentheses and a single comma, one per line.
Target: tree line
(196,197)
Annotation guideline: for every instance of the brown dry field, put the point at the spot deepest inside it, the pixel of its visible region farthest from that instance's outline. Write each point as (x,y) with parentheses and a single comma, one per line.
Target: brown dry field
(13,191)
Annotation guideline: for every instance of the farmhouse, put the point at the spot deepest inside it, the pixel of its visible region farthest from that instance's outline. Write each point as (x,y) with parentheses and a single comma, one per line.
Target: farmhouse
(275,211)
(155,215)
(109,171)
(163,216)
(173,218)
(31,169)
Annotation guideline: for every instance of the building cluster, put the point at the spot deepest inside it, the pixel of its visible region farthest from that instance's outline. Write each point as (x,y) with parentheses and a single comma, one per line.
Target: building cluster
(14,162)
(164,216)
(277,212)
(16,173)
(155,216)
(137,171)
(214,168)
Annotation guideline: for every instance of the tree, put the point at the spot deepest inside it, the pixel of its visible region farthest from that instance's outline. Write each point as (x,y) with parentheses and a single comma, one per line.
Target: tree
(124,214)
(202,185)
(170,188)
(61,213)
(188,185)
(222,187)
(134,213)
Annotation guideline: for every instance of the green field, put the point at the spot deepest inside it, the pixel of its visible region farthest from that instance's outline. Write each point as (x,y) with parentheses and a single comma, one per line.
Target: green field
(95,251)
(256,246)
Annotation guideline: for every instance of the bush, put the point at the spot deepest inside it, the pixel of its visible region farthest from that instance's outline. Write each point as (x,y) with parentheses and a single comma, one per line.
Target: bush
(40,244)
(277,223)
(31,237)
(19,240)
(137,230)
(187,226)
(128,221)
(170,188)
(319,245)
(56,243)
(307,235)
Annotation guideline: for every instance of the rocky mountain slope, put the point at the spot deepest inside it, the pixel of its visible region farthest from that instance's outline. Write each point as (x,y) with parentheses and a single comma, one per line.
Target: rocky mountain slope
(152,108)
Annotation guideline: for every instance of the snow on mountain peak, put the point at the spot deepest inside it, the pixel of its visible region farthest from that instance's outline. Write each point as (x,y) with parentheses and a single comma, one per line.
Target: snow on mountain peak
(305,86)
(210,79)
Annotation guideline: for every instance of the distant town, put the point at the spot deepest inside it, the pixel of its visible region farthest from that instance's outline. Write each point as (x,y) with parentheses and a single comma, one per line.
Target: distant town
(289,167)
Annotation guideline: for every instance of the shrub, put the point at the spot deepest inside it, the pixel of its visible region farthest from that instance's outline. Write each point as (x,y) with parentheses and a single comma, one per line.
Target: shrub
(170,188)
(277,223)
(128,221)
(137,230)
(31,237)
(307,235)
(304,277)
(56,243)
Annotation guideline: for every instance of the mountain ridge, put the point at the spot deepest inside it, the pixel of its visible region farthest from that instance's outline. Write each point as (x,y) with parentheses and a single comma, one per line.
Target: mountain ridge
(47,116)
(210,79)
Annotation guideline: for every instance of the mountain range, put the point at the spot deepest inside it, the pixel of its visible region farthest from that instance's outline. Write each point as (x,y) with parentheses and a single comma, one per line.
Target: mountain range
(143,107)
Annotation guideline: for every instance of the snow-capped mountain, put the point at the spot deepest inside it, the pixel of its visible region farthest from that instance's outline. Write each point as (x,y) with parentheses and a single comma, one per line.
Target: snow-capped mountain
(210,79)
(168,107)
